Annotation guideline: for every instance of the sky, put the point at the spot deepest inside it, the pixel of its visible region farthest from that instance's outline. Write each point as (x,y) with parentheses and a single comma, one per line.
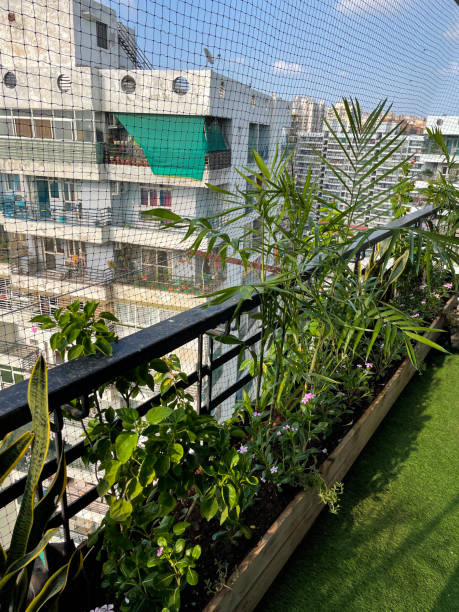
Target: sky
(405,50)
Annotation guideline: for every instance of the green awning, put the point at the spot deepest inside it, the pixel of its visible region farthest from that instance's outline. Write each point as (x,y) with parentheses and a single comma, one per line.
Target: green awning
(215,139)
(174,145)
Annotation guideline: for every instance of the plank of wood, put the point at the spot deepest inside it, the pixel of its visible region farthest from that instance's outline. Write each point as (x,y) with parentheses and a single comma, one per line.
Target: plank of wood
(253,577)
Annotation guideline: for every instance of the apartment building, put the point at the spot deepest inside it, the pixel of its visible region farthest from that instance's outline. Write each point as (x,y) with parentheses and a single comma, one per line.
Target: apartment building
(432,159)
(329,184)
(91,137)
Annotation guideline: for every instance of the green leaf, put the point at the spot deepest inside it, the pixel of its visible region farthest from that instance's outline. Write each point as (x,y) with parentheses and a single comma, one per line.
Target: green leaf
(90,308)
(196,551)
(224,515)
(209,508)
(120,510)
(159,365)
(425,340)
(162,213)
(14,568)
(75,351)
(125,444)
(103,346)
(147,471)
(180,528)
(167,502)
(133,488)
(109,316)
(192,576)
(57,582)
(230,495)
(163,465)
(157,414)
(37,397)
(177,453)
(42,319)
(398,267)
(11,454)
(179,546)
(55,340)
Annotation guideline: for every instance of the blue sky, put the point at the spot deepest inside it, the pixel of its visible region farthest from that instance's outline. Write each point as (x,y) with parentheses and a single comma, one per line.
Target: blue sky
(406,50)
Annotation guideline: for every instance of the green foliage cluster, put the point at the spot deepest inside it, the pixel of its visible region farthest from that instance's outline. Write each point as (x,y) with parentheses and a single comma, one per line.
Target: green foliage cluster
(30,536)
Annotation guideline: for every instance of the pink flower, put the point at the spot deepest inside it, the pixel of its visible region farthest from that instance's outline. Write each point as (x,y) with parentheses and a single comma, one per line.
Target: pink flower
(368,365)
(242,449)
(422,286)
(448,285)
(415,316)
(274,469)
(286,427)
(278,432)
(262,479)
(160,551)
(423,301)
(307,397)
(256,414)
(437,296)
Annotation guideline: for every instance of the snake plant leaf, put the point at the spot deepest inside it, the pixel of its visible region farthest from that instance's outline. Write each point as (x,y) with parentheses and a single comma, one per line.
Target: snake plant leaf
(37,397)
(13,453)
(47,504)
(2,560)
(14,568)
(57,582)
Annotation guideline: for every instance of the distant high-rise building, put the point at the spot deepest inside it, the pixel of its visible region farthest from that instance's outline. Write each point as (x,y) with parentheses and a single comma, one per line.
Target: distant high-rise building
(307,114)
(329,184)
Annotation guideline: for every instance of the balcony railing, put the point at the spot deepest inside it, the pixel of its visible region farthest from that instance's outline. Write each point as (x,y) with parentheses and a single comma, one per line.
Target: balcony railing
(68,271)
(129,154)
(79,378)
(166,281)
(33,211)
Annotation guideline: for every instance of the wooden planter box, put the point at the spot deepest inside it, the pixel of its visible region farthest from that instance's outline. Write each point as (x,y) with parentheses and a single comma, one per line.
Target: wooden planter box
(253,577)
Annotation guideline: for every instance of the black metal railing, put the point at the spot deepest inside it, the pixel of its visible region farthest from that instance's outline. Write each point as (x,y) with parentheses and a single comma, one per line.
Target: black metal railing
(79,378)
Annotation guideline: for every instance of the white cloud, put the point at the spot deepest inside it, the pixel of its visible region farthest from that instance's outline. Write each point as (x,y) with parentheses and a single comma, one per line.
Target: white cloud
(453,32)
(282,67)
(368,6)
(451,69)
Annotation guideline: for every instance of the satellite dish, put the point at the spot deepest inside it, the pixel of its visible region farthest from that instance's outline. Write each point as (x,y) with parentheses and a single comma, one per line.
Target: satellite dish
(209,56)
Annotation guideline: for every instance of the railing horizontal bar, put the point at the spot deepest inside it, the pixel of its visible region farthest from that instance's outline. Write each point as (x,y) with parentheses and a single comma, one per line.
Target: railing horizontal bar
(230,391)
(74,507)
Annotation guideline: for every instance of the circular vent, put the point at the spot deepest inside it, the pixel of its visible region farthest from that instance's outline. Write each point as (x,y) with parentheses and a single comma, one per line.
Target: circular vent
(439,121)
(128,84)
(180,85)
(64,83)
(10,80)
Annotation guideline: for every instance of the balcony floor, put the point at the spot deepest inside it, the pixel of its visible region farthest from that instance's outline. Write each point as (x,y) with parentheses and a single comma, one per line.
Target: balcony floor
(394,545)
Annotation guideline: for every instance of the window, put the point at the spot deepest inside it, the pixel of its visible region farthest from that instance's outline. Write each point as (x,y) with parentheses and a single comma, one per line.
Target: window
(128,84)
(63,129)
(156,265)
(43,128)
(153,197)
(84,126)
(13,182)
(137,316)
(10,375)
(23,127)
(47,305)
(102,35)
(53,249)
(6,124)
(54,189)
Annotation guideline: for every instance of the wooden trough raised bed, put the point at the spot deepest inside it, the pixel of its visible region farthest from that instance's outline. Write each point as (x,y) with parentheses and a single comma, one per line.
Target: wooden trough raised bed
(253,577)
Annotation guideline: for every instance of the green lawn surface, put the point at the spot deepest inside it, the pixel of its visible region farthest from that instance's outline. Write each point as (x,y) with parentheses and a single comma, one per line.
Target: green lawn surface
(394,545)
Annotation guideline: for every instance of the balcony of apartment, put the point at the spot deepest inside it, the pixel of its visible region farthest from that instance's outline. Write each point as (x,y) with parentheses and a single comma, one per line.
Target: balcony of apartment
(129,227)
(41,219)
(49,277)
(418,438)
(51,157)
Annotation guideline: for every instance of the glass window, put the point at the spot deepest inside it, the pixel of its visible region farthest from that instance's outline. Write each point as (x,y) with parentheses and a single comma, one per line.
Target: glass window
(148,197)
(23,128)
(102,38)
(6,374)
(13,182)
(84,131)
(166,198)
(43,128)
(63,130)
(6,126)
(54,189)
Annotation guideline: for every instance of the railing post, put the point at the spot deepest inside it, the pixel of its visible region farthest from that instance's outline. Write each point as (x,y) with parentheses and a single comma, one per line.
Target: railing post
(199,373)
(210,373)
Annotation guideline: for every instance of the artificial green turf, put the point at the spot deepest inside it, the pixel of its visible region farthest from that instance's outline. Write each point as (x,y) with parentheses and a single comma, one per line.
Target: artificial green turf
(394,545)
